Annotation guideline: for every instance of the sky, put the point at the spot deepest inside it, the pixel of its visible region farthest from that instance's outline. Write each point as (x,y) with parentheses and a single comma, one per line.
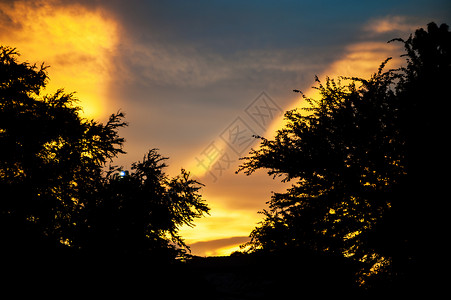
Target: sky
(196,79)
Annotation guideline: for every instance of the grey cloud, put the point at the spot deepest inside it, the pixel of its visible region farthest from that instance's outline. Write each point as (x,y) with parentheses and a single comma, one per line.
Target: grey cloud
(188,66)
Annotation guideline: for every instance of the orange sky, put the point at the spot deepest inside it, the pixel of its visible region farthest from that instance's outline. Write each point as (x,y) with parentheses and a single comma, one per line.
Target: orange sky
(83,45)
(76,42)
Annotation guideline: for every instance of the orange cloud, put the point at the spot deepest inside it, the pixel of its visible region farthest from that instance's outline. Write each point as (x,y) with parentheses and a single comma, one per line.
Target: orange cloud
(390,24)
(76,42)
(219,247)
(363,59)
(223,222)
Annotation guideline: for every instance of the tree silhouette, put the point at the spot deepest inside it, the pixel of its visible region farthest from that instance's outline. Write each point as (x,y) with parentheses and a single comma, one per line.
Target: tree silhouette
(51,158)
(55,194)
(358,157)
(140,212)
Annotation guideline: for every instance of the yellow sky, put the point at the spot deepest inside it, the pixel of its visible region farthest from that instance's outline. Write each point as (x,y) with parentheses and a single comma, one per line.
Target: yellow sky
(75,42)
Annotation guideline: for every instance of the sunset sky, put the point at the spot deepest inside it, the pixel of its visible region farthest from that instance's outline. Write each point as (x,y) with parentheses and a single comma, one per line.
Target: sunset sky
(197,79)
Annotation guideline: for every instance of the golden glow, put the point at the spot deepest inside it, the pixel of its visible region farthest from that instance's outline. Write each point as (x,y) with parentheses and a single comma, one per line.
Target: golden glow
(222,223)
(223,251)
(352,235)
(379,264)
(65,242)
(363,59)
(75,42)
(50,149)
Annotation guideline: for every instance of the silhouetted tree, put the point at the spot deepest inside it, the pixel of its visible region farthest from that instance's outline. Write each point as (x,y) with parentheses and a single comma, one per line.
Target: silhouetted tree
(51,158)
(54,192)
(414,231)
(140,212)
(365,161)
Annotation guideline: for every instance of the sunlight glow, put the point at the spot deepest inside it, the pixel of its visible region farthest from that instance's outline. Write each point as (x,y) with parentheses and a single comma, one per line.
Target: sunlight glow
(222,223)
(223,251)
(75,42)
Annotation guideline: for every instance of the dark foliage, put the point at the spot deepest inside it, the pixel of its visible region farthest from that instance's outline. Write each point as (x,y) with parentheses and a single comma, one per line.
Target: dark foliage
(366,161)
(56,197)
(140,212)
